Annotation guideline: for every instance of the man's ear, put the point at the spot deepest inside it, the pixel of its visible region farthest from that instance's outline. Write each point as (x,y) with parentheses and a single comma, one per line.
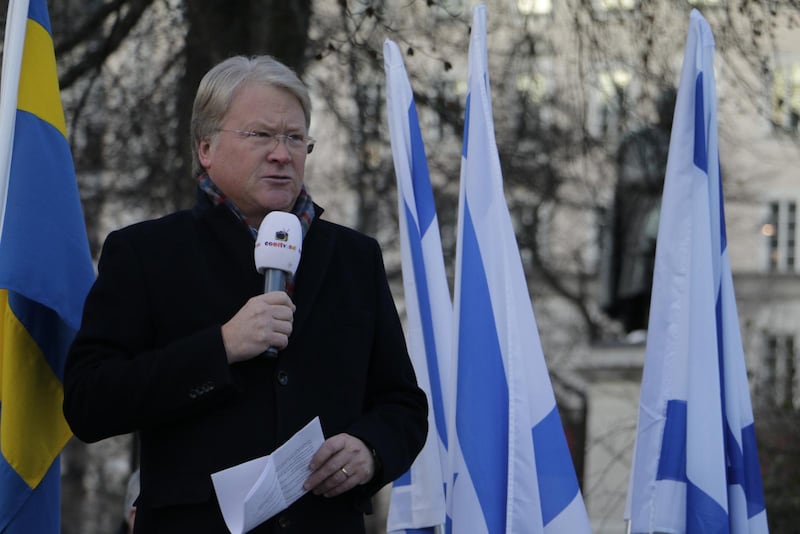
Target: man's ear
(204,152)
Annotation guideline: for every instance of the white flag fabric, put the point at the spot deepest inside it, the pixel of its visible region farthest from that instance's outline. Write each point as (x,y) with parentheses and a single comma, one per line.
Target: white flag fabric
(418,497)
(695,466)
(511,466)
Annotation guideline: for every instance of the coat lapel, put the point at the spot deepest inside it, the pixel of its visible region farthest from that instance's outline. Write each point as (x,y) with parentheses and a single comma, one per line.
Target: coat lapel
(318,247)
(224,232)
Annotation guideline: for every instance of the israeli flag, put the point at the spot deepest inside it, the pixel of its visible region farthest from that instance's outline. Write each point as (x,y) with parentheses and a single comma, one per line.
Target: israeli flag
(695,466)
(511,466)
(417,500)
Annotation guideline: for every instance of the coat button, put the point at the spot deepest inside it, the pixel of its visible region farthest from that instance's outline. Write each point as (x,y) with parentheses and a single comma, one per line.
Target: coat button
(284,521)
(283,378)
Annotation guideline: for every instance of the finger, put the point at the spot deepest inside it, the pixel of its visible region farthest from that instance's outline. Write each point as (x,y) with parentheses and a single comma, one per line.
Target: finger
(328,448)
(277,298)
(321,481)
(277,334)
(326,466)
(329,475)
(339,481)
(348,482)
(281,313)
(356,468)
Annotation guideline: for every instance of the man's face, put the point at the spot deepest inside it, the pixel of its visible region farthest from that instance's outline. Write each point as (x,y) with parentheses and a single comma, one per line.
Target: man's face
(257,178)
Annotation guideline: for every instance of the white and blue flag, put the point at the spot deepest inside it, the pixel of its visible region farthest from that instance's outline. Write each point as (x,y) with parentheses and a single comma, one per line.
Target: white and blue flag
(418,497)
(695,466)
(511,465)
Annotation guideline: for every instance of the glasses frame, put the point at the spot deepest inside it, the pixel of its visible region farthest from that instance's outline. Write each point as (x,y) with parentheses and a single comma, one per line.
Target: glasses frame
(309,141)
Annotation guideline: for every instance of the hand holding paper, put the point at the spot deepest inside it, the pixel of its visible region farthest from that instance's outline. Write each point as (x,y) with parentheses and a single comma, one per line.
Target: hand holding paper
(252,492)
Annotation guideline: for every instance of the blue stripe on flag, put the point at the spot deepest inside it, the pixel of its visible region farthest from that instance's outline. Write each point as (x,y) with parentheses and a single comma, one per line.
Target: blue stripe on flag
(30,511)
(743,466)
(672,461)
(735,459)
(753,490)
(704,514)
(423,195)
(15,490)
(702,511)
(482,404)
(426,320)
(426,213)
(404,479)
(62,236)
(554,470)
(38,12)
(700,149)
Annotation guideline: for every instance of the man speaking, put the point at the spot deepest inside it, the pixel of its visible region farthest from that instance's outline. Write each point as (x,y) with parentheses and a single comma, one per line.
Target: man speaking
(176,326)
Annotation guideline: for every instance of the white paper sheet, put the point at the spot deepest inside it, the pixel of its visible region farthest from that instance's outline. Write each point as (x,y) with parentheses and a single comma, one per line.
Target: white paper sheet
(252,492)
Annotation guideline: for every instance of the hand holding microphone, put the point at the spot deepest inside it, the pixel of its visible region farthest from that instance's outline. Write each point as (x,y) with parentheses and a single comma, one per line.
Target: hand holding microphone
(277,253)
(266,320)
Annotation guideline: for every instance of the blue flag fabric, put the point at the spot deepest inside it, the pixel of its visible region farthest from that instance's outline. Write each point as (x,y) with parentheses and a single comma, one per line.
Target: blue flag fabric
(45,273)
(695,466)
(511,467)
(418,498)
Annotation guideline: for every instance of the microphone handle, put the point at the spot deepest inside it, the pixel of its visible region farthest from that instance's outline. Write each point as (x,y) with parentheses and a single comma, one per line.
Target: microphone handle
(274,280)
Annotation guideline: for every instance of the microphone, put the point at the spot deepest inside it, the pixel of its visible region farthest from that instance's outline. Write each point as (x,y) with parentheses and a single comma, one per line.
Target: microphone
(277,252)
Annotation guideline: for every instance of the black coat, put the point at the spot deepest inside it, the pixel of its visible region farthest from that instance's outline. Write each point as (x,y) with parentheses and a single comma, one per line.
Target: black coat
(149,358)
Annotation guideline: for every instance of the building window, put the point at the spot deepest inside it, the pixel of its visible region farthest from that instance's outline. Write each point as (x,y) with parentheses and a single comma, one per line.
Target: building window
(780,231)
(779,380)
(786,98)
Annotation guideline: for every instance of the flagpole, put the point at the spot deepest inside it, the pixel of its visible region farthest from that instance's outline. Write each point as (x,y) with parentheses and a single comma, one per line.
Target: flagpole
(16,23)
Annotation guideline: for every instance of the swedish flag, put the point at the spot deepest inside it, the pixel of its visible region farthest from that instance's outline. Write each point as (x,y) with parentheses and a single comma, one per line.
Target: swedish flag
(45,272)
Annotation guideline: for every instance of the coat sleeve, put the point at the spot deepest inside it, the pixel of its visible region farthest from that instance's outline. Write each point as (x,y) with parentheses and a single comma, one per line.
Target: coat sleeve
(116,380)
(395,423)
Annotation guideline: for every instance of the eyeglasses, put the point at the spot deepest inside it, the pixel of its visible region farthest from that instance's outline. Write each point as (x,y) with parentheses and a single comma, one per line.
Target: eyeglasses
(269,141)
